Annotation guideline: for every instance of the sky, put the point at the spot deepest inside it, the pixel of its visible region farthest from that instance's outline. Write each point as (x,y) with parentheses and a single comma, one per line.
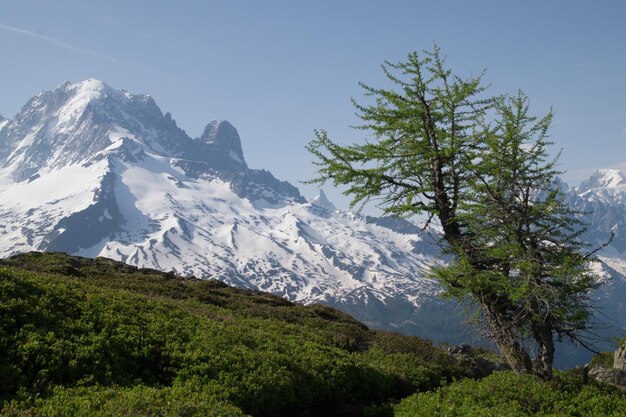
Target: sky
(277,70)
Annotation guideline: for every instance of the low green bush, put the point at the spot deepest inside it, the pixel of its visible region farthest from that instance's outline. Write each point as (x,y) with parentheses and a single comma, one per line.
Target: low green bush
(506,394)
(97,336)
(603,359)
(84,337)
(138,401)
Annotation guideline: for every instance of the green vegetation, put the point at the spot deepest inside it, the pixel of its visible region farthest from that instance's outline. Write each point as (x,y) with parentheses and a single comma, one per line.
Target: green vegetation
(480,167)
(505,394)
(96,337)
(82,337)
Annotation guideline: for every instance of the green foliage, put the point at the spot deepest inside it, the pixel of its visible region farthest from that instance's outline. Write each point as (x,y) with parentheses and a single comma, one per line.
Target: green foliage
(519,222)
(505,394)
(109,339)
(136,401)
(407,372)
(480,167)
(603,358)
(55,333)
(425,125)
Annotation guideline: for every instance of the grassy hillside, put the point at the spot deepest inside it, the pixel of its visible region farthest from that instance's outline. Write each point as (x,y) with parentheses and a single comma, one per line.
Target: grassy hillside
(82,337)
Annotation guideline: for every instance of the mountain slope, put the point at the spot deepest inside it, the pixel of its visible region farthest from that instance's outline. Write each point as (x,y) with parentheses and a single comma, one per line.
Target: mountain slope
(94,171)
(110,339)
(100,338)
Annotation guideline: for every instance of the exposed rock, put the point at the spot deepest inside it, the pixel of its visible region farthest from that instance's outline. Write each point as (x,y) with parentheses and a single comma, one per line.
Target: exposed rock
(601,374)
(617,374)
(477,366)
(224,141)
(609,376)
(619,361)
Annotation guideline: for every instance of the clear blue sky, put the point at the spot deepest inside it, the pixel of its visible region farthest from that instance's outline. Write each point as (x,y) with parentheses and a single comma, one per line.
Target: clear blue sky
(279,69)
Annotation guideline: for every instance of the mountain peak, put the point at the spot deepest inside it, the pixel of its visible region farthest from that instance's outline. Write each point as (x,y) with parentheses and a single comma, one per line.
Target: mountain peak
(80,95)
(604,178)
(225,137)
(75,121)
(322,201)
(90,90)
(90,84)
(82,123)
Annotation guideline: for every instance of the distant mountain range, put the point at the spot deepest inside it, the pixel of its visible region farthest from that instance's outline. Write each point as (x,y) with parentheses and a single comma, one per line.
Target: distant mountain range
(93,171)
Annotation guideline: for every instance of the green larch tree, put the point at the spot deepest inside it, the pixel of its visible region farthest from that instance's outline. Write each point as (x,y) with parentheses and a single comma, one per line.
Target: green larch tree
(479,167)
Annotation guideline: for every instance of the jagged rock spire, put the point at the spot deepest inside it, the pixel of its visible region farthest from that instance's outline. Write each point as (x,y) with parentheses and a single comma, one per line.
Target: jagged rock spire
(225,137)
(322,201)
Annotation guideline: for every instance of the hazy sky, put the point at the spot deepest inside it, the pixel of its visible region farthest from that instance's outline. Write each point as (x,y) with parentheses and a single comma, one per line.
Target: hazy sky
(279,69)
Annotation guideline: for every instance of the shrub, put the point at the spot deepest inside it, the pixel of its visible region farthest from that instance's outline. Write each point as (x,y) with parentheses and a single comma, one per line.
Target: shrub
(117,401)
(112,337)
(508,394)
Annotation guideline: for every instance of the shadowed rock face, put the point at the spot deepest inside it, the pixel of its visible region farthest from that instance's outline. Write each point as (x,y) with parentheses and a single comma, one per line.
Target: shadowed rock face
(224,139)
(619,360)
(469,358)
(616,375)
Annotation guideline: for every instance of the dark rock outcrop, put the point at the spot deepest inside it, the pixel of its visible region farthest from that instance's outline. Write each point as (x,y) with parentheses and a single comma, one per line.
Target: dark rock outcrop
(476,365)
(615,375)
(619,361)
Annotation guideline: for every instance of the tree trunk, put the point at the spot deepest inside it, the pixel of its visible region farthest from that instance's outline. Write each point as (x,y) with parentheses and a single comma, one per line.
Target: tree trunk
(542,333)
(505,337)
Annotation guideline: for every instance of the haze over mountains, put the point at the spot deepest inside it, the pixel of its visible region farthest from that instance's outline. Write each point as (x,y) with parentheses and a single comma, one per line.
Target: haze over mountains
(94,171)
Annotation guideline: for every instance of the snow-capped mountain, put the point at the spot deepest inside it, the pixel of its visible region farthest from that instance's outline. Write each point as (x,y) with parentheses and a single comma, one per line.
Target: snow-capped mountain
(94,171)
(603,198)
